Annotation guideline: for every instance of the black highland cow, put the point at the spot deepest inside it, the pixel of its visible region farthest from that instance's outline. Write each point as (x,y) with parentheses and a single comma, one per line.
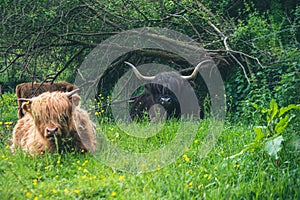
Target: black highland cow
(168,94)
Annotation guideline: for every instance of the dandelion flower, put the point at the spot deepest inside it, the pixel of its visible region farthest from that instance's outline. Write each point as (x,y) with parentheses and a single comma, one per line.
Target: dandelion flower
(186,158)
(113,194)
(76,191)
(28,194)
(66,191)
(121,178)
(54,191)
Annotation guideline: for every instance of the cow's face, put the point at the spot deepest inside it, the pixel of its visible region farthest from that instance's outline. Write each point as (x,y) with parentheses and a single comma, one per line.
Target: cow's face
(52,115)
(163,96)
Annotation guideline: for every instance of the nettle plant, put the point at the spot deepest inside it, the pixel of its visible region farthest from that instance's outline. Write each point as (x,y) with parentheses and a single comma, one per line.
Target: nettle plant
(269,136)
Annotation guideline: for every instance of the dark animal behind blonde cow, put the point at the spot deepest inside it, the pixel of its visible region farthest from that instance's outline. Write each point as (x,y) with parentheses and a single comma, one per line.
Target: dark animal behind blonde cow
(54,121)
(170,92)
(30,89)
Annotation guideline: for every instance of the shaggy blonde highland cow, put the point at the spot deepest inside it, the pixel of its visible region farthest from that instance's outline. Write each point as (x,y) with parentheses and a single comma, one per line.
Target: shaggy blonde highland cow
(54,121)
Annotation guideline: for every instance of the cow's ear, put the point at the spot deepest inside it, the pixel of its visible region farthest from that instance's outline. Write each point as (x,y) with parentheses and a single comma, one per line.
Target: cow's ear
(75,99)
(26,106)
(148,87)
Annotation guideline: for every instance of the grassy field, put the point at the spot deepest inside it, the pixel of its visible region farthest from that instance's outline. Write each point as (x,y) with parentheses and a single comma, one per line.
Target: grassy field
(252,175)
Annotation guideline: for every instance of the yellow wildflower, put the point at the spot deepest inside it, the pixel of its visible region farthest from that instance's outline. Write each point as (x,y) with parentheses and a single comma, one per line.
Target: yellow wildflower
(236,166)
(121,178)
(186,158)
(208,176)
(114,194)
(28,194)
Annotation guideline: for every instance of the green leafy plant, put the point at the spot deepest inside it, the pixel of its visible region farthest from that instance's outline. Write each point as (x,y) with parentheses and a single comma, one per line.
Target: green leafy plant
(269,136)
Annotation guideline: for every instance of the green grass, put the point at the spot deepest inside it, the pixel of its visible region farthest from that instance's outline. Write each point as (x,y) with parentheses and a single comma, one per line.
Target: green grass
(253,175)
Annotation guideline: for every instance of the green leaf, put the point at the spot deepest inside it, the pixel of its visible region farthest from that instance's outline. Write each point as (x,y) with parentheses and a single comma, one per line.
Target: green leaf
(256,106)
(289,107)
(258,130)
(273,109)
(273,146)
(282,124)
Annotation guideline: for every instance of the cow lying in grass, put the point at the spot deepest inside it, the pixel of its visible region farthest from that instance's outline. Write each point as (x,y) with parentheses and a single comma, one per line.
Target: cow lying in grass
(54,122)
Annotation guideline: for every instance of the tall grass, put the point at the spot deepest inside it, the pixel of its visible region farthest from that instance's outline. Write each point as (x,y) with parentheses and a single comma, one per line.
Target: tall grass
(84,176)
(253,175)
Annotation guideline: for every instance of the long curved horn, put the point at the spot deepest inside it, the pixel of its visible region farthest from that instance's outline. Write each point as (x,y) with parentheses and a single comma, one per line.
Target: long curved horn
(72,92)
(138,74)
(195,72)
(25,99)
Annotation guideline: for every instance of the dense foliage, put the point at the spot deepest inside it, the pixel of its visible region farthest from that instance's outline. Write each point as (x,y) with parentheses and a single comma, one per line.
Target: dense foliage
(49,40)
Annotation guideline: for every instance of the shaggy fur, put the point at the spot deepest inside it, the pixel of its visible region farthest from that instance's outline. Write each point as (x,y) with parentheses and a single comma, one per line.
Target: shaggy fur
(54,122)
(28,90)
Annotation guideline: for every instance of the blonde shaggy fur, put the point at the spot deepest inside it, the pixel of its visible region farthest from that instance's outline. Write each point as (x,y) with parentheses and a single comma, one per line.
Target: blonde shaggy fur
(28,90)
(54,122)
